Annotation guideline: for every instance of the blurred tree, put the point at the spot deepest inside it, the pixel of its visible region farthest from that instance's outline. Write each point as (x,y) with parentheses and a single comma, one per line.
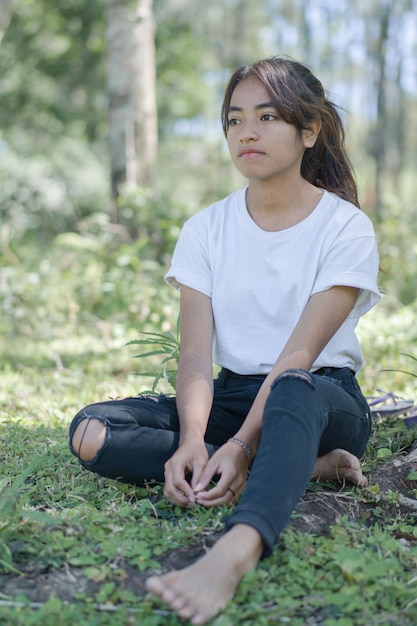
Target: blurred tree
(54,102)
(6,8)
(389,45)
(131,94)
(52,116)
(52,72)
(378,27)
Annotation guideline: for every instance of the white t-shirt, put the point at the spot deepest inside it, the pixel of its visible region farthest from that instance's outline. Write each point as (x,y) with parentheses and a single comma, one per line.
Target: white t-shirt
(259,282)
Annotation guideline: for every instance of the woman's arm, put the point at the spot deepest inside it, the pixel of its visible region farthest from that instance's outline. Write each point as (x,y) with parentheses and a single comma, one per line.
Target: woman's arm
(195,366)
(194,391)
(324,314)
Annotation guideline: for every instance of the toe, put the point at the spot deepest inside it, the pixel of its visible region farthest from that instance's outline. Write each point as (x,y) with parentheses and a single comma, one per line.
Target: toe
(154,585)
(178,603)
(357,478)
(187,612)
(363,481)
(169,596)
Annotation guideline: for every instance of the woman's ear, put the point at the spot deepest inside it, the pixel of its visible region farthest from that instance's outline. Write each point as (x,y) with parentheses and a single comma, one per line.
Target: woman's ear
(309,135)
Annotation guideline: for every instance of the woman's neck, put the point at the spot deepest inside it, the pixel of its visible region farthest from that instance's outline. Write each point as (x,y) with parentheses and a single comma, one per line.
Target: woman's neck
(273,208)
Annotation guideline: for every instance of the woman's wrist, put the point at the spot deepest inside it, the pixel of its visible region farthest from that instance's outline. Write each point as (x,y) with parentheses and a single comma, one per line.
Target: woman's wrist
(244,446)
(191,437)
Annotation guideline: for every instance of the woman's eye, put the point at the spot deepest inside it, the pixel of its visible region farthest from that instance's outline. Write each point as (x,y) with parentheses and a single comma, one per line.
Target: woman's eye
(233,121)
(268,117)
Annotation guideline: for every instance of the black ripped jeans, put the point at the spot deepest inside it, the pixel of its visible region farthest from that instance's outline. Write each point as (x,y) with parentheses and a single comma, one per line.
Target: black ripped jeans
(306,415)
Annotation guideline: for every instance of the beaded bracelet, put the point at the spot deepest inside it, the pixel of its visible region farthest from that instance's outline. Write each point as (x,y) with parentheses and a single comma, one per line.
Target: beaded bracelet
(243,445)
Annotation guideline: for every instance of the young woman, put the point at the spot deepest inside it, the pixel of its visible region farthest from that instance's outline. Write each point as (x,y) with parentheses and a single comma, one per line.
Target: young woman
(275,278)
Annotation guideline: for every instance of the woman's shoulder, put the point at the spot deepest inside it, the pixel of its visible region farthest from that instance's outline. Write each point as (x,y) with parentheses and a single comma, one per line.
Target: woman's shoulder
(346,214)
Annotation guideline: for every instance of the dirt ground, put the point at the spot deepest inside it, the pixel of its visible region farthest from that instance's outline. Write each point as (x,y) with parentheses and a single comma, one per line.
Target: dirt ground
(317,511)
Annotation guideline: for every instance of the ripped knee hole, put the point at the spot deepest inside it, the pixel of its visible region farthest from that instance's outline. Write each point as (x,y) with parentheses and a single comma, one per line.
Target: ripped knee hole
(296,374)
(88,438)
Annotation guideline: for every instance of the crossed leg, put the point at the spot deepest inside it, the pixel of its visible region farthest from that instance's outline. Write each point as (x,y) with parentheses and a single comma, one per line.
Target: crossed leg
(199,592)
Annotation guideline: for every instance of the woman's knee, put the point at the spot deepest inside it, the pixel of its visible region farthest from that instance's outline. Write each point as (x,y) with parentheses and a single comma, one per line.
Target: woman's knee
(292,385)
(300,376)
(88,438)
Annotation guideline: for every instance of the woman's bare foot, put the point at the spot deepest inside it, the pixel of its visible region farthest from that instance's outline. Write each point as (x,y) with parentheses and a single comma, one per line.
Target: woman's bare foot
(339,465)
(199,592)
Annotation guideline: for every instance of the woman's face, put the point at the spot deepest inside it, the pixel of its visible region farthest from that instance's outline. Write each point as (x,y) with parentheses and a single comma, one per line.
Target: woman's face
(262,145)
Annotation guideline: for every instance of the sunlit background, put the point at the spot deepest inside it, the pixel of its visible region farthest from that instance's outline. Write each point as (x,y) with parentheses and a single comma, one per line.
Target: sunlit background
(85,241)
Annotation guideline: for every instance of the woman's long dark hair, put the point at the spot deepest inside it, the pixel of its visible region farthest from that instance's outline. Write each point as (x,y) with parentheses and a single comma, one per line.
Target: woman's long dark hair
(300,99)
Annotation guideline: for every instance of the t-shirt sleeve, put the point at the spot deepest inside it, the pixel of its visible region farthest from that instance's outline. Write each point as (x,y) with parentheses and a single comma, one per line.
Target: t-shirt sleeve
(190,264)
(353,261)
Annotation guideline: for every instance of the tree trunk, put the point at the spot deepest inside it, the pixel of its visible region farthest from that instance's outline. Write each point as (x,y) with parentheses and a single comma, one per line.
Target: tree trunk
(379,141)
(131,92)
(6,10)
(403,12)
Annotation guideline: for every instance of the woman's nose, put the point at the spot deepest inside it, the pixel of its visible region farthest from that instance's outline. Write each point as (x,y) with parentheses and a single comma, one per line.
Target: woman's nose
(248,132)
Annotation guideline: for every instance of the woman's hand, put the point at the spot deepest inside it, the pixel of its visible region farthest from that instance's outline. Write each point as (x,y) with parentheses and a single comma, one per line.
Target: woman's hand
(190,458)
(230,464)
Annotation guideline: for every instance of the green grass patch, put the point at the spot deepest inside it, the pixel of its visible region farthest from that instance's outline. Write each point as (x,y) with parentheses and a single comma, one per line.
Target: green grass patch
(91,541)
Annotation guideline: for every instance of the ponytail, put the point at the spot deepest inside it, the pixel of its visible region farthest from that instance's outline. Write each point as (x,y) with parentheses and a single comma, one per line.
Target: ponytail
(327,164)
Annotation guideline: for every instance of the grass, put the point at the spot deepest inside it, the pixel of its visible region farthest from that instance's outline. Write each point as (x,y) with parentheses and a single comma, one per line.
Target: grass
(56,518)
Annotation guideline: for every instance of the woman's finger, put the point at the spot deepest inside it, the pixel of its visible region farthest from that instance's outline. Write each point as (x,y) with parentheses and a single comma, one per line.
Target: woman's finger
(229,498)
(177,489)
(177,495)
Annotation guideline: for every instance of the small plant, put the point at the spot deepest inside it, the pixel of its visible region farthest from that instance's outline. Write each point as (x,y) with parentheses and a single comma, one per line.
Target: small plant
(166,344)
(410,356)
